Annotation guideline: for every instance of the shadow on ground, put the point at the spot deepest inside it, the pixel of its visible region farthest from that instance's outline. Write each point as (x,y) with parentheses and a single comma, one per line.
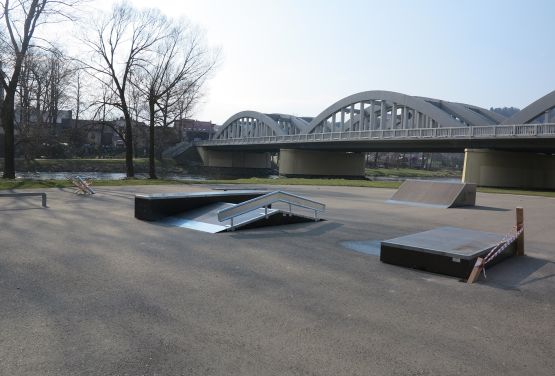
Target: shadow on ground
(514,273)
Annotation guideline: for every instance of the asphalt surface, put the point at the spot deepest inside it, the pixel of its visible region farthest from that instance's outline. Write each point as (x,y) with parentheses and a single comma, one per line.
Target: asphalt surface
(86,289)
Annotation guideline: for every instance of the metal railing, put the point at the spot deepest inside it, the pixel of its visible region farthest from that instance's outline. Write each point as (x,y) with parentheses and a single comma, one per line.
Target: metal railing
(490,131)
(268,199)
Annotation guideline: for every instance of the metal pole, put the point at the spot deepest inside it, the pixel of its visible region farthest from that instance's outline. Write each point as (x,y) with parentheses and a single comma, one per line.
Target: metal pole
(393,116)
(352,115)
(371,122)
(382,115)
(362,117)
(343,120)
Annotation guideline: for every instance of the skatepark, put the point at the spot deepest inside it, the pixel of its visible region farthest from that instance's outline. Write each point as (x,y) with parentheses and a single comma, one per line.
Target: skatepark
(88,288)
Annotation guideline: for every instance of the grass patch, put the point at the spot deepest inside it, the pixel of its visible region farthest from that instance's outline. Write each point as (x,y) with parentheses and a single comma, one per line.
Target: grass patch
(515,191)
(87,165)
(410,173)
(303,181)
(34,184)
(28,184)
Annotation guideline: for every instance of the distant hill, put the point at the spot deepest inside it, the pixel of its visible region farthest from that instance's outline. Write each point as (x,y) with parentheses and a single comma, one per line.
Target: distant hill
(505,111)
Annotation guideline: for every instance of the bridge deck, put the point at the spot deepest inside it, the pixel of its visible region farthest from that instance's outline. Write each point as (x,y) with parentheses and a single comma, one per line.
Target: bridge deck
(526,137)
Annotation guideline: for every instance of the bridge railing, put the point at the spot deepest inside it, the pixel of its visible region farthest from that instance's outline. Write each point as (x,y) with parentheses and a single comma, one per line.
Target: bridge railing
(491,131)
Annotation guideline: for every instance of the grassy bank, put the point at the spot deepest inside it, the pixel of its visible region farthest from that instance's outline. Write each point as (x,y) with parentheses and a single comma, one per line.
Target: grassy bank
(37,184)
(141,165)
(361,183)
(302,181)
(86,165)
(515,191)
(410,173)
(26,184)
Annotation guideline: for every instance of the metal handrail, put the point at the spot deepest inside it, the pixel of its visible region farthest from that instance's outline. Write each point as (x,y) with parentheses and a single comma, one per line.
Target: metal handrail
(488,131)
(268,199)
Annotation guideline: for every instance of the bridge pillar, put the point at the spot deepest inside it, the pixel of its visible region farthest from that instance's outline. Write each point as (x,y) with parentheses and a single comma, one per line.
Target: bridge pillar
(492,168)
(294,162)
(236,159)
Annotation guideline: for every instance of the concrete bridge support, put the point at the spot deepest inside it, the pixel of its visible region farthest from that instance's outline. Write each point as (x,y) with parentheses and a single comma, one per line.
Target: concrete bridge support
(235,159)
(493,168)
(294,162)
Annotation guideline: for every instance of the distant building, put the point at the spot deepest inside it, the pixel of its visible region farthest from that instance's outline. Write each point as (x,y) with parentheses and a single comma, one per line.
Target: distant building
(30,115)
(97,133)
(194,130)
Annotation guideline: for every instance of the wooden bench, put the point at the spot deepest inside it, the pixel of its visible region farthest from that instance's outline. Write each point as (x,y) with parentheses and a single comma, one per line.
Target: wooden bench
(26,194)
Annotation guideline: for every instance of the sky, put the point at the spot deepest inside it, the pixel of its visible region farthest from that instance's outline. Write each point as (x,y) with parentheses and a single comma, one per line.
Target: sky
(299,57)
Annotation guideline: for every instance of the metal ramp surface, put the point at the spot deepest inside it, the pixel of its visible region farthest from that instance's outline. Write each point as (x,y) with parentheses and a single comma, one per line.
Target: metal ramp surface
(430,193)
(206,218)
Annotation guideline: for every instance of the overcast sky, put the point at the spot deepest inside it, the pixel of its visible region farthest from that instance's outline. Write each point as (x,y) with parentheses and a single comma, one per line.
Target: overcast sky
(298,57)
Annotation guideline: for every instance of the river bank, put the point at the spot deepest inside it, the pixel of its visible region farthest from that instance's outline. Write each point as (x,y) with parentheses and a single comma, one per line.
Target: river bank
(108,165)
(169,166)
(41,184)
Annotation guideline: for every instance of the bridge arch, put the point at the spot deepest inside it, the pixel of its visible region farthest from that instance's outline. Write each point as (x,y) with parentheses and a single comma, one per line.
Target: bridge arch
(540,111)
(392,110)
(246,124)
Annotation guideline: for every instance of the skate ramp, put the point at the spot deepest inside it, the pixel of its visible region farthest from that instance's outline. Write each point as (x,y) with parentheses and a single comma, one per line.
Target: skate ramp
(441,194)
(216,215)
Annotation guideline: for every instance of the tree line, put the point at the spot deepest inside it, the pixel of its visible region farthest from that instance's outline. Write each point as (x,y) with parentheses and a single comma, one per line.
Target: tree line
(135,64)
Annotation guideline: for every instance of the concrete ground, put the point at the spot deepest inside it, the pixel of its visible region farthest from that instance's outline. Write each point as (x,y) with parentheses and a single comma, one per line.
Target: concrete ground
(86,289)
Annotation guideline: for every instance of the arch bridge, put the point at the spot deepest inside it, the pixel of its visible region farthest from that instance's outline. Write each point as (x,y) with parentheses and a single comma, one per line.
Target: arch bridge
(332,143)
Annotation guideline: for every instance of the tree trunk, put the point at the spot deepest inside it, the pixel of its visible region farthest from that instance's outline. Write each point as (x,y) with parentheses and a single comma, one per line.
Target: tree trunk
(151,159)
(130,169)
(7,116)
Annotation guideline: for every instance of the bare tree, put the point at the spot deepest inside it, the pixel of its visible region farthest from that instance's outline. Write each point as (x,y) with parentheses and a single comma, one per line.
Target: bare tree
(118,43)
(42,89)
(77,93)
(172,77)
(20,21)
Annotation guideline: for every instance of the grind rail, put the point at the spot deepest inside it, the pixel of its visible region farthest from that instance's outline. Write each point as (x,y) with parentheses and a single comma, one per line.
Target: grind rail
(27,194)
(265,201)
